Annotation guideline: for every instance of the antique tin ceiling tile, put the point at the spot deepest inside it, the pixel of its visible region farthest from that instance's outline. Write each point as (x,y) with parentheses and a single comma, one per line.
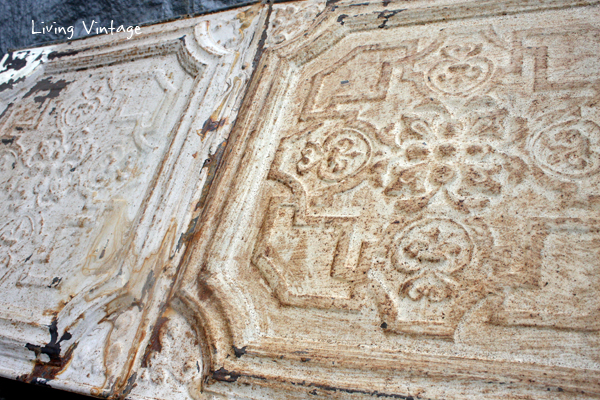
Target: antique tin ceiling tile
(409,209)
(107,144)
(408,205)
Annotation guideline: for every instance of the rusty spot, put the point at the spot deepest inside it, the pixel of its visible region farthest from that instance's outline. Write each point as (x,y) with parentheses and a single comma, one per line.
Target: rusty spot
(261,43)
(129,386)
(211,125)
(53,89)
(374,393)
(246,17)
(239,352)
(154,344)
(43,371)
(187,235)
(204,292)
(212,164)
(225,376)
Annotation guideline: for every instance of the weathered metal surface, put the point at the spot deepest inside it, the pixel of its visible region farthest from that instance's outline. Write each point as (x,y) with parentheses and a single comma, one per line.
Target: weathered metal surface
(105,150)
(409,208)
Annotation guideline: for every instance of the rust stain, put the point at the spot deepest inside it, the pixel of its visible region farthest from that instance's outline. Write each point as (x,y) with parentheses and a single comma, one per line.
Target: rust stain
(217,161)
(261,44)
(204,292)
(225,376)
(154,344)
(46,371)
(215,118)
(144,286)
(185,237)
(212,164)
(239,351)
(130,384)
(110,241)
(49,371)
(211,125)
(246,18)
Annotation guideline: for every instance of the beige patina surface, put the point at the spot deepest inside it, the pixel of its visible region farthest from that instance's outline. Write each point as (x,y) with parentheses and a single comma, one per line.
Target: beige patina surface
(407,206)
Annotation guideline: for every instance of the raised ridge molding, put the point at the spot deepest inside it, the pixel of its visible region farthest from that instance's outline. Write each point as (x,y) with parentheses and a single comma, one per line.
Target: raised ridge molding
(309,199)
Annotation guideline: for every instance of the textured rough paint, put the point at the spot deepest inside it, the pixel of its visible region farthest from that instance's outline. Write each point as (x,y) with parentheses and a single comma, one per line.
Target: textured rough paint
(407,206)
(101,166)
(410,207)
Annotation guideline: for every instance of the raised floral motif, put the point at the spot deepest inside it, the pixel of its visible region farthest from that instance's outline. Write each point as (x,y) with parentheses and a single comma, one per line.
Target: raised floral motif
(84,110)
(570,148)
(435,158)
(68,173)
(291,20)
(461,70)
(342,154)
(429,253)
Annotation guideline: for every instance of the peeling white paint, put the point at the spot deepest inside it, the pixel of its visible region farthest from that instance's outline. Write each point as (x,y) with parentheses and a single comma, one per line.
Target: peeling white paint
(33,57)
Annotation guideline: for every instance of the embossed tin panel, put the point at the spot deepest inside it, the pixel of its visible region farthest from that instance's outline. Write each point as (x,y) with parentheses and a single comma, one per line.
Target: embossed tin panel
(410,209)
(407,206)
(106,147)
